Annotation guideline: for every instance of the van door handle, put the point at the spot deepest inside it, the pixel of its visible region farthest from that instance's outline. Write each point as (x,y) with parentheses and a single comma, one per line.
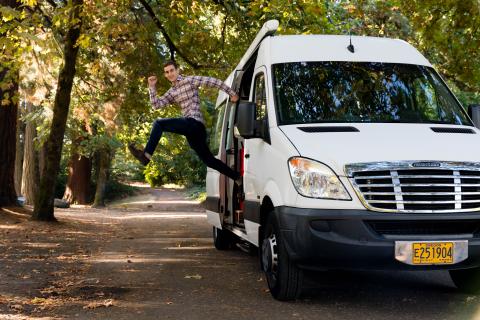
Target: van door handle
(247,155)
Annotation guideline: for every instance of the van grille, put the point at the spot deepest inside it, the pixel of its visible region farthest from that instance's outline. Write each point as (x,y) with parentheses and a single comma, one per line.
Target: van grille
(402,187)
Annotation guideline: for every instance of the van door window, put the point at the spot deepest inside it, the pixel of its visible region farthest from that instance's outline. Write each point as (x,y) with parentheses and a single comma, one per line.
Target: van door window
(217,132)
(260,97)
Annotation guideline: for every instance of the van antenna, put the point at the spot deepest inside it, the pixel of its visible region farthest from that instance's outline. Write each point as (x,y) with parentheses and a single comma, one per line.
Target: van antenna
(350,47)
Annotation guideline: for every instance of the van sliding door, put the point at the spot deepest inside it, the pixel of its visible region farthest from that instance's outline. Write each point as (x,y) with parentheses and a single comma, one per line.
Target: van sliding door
(257,152)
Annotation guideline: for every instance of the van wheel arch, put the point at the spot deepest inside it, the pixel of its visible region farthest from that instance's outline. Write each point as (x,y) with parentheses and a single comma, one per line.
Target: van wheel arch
(265,209)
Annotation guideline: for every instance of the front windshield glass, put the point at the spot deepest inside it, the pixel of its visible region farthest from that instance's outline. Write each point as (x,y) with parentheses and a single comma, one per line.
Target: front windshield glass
(313,92)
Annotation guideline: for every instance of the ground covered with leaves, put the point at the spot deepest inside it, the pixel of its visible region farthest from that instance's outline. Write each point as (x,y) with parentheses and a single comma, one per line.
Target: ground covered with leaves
(44,266)
(150,256)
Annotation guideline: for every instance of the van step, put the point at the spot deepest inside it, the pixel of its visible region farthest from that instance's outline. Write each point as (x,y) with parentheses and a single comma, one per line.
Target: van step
(239,217)
(247,247)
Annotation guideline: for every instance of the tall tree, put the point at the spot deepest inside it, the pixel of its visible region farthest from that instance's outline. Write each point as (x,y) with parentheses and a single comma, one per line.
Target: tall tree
(79,172)
(31,172)
(9,78)
(103,164)
(19,155)
(43,209)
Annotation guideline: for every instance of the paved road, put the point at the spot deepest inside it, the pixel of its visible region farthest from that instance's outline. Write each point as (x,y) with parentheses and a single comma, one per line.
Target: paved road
(161,264)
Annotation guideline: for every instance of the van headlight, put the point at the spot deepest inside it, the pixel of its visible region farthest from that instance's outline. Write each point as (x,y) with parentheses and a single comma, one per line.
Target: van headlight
(315,180)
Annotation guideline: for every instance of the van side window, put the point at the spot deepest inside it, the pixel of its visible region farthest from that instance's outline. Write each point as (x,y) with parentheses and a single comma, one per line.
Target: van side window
(217,132)
(260,97)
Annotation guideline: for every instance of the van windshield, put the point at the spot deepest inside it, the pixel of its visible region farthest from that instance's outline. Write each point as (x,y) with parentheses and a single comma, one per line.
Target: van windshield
(313,92)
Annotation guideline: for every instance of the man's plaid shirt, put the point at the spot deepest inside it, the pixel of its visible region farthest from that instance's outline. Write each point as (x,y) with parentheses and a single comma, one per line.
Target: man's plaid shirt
(185,93)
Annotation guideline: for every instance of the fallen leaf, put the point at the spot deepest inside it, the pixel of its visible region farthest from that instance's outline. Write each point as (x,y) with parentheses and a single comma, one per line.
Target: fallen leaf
(16,307)
(96,304)
(108,303)
(37,300)
(195,276)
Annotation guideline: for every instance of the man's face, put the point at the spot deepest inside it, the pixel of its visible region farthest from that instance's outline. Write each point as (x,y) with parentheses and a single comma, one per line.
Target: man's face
(170,72)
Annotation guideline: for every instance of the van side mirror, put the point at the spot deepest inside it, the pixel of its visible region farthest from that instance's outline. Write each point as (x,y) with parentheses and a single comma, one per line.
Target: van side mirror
(474,113)
(246,119)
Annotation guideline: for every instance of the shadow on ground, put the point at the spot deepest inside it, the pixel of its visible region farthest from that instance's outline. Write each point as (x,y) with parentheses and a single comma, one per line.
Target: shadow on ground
(141,259)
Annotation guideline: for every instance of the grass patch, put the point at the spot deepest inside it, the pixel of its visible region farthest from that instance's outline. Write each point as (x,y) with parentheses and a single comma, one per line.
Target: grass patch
(117,190)
(196,192)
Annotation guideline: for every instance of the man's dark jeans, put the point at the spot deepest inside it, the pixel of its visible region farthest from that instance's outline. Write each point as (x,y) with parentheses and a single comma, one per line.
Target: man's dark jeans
(196,136)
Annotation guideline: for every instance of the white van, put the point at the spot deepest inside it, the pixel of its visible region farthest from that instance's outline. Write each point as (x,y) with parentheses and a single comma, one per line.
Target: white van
(354,155)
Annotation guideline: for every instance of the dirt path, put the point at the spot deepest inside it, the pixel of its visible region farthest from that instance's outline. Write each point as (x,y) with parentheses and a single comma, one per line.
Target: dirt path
(151,257)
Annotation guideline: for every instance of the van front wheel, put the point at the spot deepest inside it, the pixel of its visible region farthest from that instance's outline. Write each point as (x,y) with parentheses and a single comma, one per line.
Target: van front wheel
(284,278)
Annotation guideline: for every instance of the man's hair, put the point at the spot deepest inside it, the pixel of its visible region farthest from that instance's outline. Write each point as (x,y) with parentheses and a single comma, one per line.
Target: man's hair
(170,63)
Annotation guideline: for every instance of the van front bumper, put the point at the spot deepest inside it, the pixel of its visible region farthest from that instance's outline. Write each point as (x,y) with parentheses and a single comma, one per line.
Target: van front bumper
(362,239)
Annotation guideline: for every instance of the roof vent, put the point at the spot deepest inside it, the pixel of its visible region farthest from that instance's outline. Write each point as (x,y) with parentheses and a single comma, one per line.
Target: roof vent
(329,129)
(452,130)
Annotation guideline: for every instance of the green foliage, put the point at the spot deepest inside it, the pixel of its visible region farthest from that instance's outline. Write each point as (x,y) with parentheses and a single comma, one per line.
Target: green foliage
(121,45)
(447,32)
(174,162)
(124,168)
(197,192)
(116,190)
(466,98)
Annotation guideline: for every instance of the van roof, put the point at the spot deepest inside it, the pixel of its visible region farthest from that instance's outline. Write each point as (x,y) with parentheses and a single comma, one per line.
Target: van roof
(302,48)
(295,48)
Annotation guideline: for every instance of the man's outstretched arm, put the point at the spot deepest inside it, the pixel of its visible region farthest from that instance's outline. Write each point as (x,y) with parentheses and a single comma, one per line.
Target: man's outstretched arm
(158,102)
(213,82)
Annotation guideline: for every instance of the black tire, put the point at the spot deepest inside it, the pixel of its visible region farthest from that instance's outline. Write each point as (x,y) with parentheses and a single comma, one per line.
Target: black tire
(284,278)
(466,280)
(222,239)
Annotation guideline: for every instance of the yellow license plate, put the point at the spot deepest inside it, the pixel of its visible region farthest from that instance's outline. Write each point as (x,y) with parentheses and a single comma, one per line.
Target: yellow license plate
(432,252)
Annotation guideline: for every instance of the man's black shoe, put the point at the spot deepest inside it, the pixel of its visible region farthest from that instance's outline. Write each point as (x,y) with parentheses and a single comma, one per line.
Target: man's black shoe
(139,154)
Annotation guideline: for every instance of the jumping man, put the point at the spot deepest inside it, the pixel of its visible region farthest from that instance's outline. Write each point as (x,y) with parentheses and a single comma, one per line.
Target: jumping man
(184,92)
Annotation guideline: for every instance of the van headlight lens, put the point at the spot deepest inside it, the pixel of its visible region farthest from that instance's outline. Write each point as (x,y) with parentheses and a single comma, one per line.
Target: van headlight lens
(315,180)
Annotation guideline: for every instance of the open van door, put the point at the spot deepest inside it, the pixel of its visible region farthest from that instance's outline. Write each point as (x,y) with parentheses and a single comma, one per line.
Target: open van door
(226,149)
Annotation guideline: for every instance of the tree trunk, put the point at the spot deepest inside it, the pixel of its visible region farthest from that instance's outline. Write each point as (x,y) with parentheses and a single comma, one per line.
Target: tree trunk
(19,156)
(78,183)
(9,78)
(31,172)
(8,132)
(43,209)
(103,165)
(42,155)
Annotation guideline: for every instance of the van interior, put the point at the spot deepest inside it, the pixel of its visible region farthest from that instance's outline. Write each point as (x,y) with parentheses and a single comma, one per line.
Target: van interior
(235,148)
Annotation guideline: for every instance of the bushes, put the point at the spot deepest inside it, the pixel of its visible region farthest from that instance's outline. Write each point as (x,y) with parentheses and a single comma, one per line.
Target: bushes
(175,162)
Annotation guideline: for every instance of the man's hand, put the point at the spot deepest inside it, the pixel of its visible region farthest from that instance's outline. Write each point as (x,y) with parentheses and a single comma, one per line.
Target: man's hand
(234,98)
(152,81)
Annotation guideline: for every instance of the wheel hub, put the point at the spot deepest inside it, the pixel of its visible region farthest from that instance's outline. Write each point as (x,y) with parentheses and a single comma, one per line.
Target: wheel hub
(270,255)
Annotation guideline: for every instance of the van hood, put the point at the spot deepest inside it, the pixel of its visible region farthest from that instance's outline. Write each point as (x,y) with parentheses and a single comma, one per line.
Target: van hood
(376,142)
